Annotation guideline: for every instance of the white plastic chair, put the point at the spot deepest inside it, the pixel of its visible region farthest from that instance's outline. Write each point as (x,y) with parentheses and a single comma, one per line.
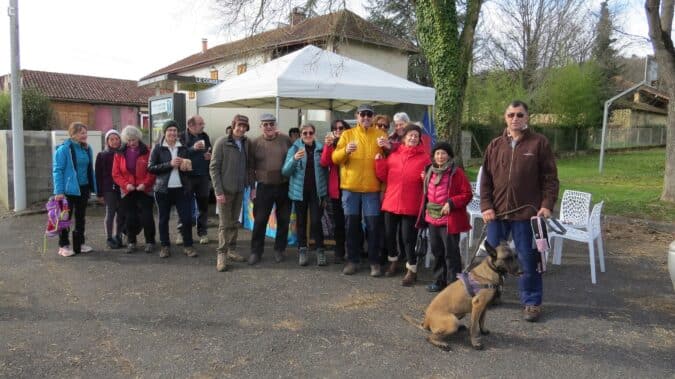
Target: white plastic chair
(473,208)
(574,209)
(590,236)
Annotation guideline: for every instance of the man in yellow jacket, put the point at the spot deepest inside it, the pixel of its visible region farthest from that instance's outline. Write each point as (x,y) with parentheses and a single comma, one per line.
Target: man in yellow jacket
(355,154)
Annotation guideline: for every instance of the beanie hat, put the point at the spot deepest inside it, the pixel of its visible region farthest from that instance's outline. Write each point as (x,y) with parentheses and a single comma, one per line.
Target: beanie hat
(111,132)
(170,123)
(443,146)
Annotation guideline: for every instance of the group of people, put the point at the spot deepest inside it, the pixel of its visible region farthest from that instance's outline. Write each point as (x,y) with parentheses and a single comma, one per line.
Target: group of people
(395,184)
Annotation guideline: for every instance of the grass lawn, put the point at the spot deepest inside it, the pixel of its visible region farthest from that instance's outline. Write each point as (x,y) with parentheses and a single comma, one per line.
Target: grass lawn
(630,184)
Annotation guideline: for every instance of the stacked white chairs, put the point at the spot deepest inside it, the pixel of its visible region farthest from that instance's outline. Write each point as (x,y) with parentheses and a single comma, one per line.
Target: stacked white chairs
(474,206)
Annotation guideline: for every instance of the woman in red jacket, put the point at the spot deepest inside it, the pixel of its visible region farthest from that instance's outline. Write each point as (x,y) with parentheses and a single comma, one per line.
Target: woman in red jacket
(130,173)
(447,192)
(401,172)
(330,142)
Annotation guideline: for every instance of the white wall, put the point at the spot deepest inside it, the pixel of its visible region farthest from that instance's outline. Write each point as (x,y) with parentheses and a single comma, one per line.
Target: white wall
(388,59)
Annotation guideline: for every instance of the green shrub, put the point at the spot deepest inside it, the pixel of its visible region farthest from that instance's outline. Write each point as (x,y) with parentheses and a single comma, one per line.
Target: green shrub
(37,110)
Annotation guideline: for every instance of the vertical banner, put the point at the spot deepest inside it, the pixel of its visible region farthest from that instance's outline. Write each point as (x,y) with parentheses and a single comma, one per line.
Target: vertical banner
(271,231)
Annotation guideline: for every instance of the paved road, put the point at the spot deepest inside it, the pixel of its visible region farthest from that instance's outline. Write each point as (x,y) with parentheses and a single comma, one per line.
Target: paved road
(108,314)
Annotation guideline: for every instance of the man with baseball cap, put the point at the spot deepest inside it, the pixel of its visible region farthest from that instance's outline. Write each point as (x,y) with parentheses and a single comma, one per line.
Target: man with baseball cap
(355,154)
(267,156)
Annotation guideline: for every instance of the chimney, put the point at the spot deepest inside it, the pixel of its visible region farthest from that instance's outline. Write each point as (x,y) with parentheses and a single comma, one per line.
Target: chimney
(298,15)
(205,45)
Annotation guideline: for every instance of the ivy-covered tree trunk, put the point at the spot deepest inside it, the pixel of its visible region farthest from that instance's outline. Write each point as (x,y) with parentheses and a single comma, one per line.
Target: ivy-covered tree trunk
(449,53)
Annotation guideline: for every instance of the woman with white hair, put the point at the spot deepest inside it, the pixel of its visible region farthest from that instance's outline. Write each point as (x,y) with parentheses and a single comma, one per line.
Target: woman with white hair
(130,173)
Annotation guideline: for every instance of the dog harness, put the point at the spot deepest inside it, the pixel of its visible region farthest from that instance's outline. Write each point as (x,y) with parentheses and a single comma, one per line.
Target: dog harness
(473,287)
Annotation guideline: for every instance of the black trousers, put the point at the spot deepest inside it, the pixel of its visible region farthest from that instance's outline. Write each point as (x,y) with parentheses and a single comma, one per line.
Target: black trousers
(137,207)
(181,200)
(394,223)
(200,187)
(448,261)
(267,196)
(310,204)
(77,213)
(339,231)
(114,214)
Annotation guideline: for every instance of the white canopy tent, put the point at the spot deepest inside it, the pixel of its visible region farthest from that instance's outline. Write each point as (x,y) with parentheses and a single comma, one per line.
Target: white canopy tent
(312,78)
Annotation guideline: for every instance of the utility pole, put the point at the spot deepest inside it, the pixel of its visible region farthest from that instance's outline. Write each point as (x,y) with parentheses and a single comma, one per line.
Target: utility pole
(19,166)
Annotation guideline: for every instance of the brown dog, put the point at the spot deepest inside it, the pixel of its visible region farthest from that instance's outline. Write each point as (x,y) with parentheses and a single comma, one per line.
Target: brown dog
(455,301)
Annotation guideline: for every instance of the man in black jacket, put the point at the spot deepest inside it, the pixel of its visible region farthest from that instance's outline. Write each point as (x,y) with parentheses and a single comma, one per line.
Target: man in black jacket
(199,151)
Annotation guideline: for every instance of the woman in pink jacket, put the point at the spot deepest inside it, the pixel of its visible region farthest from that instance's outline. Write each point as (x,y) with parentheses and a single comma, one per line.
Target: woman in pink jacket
(446,195)
(401,172)
(326,161)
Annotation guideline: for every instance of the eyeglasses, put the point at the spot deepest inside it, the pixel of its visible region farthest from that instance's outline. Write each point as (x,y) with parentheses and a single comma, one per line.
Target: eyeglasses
(519,115)
(366,114)
(268,124)
(383,126)
(308,133)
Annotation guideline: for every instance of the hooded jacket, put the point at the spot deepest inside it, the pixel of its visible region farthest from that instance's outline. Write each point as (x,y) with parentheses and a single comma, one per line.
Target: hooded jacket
(295,170)
(401,172)
(123,177)
(357,170)
(64,172)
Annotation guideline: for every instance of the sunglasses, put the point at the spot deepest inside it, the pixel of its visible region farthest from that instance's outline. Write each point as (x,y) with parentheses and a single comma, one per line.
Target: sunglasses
(519,115)
(268,124)
(308,133)
(366,114)
(383,126)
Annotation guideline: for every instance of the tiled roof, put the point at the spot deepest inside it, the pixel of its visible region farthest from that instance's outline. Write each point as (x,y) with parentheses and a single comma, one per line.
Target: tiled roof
(334,26)
(89,89)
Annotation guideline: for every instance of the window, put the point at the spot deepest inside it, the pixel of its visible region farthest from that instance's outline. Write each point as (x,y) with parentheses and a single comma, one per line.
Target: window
(241,69)
(214,73)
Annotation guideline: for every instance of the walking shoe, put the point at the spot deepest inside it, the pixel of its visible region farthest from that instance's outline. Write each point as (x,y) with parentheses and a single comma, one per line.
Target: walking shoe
(66,251)
(221,262)
(435,287)
(120,240)
(350,269)
(531,313)
(149,247)
(409,279)
(321,257)
(179,239)
(234,256)
(112,243)
(164,252)
(190,252)
(392,269)
(131,246)
(278,256)
(204,240)
(86,249)
(253,259)
(375,271)
(302,256)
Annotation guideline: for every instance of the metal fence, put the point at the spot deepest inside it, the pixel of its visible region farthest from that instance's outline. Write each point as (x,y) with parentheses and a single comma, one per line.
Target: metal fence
(628,137)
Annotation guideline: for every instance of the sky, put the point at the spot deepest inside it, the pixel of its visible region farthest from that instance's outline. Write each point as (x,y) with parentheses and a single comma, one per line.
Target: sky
(128,39)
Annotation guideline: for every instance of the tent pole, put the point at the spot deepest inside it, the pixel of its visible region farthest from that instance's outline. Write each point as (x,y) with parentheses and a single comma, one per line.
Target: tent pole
(276,109)
(330,108)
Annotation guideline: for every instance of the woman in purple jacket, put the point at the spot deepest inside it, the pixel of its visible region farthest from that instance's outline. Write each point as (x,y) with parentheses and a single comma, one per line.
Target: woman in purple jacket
(108,192)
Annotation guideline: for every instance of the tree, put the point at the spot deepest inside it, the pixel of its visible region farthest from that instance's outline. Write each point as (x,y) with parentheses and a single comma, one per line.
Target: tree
(603,51)
(660,22)
(539,34)
(37,110)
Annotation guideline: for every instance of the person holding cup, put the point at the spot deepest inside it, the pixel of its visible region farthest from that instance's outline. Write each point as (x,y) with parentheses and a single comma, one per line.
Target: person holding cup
(169,162)
(355,154)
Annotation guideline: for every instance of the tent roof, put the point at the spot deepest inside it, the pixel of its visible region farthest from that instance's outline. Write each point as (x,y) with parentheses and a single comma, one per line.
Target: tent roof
(312,78)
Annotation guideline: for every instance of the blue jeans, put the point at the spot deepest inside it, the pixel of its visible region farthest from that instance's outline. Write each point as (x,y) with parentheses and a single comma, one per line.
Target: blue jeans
(530,285)
(367,204)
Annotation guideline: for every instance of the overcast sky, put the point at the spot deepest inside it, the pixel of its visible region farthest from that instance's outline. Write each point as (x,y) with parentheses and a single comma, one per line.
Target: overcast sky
(128,39)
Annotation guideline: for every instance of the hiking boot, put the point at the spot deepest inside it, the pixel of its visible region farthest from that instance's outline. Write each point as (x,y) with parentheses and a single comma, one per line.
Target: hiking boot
(234,256)
(66,251)
(131,246)
(321,257)
(409,279)
(179,239)
(112,243)
(86,249)
(149,247)
(302,256)
(350,269)
(531,313)
(190,252)
(204,240)
(221,262)
(392,269)
(278,256)
(253,259)
(164,252)
(375,271)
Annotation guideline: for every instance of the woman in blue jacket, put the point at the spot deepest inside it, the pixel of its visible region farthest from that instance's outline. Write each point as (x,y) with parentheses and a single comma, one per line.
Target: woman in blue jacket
(73,175)
(307,189)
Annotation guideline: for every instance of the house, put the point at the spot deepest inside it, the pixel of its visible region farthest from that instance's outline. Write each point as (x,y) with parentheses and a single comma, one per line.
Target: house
(645,107)
(342,32)
(101,103)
